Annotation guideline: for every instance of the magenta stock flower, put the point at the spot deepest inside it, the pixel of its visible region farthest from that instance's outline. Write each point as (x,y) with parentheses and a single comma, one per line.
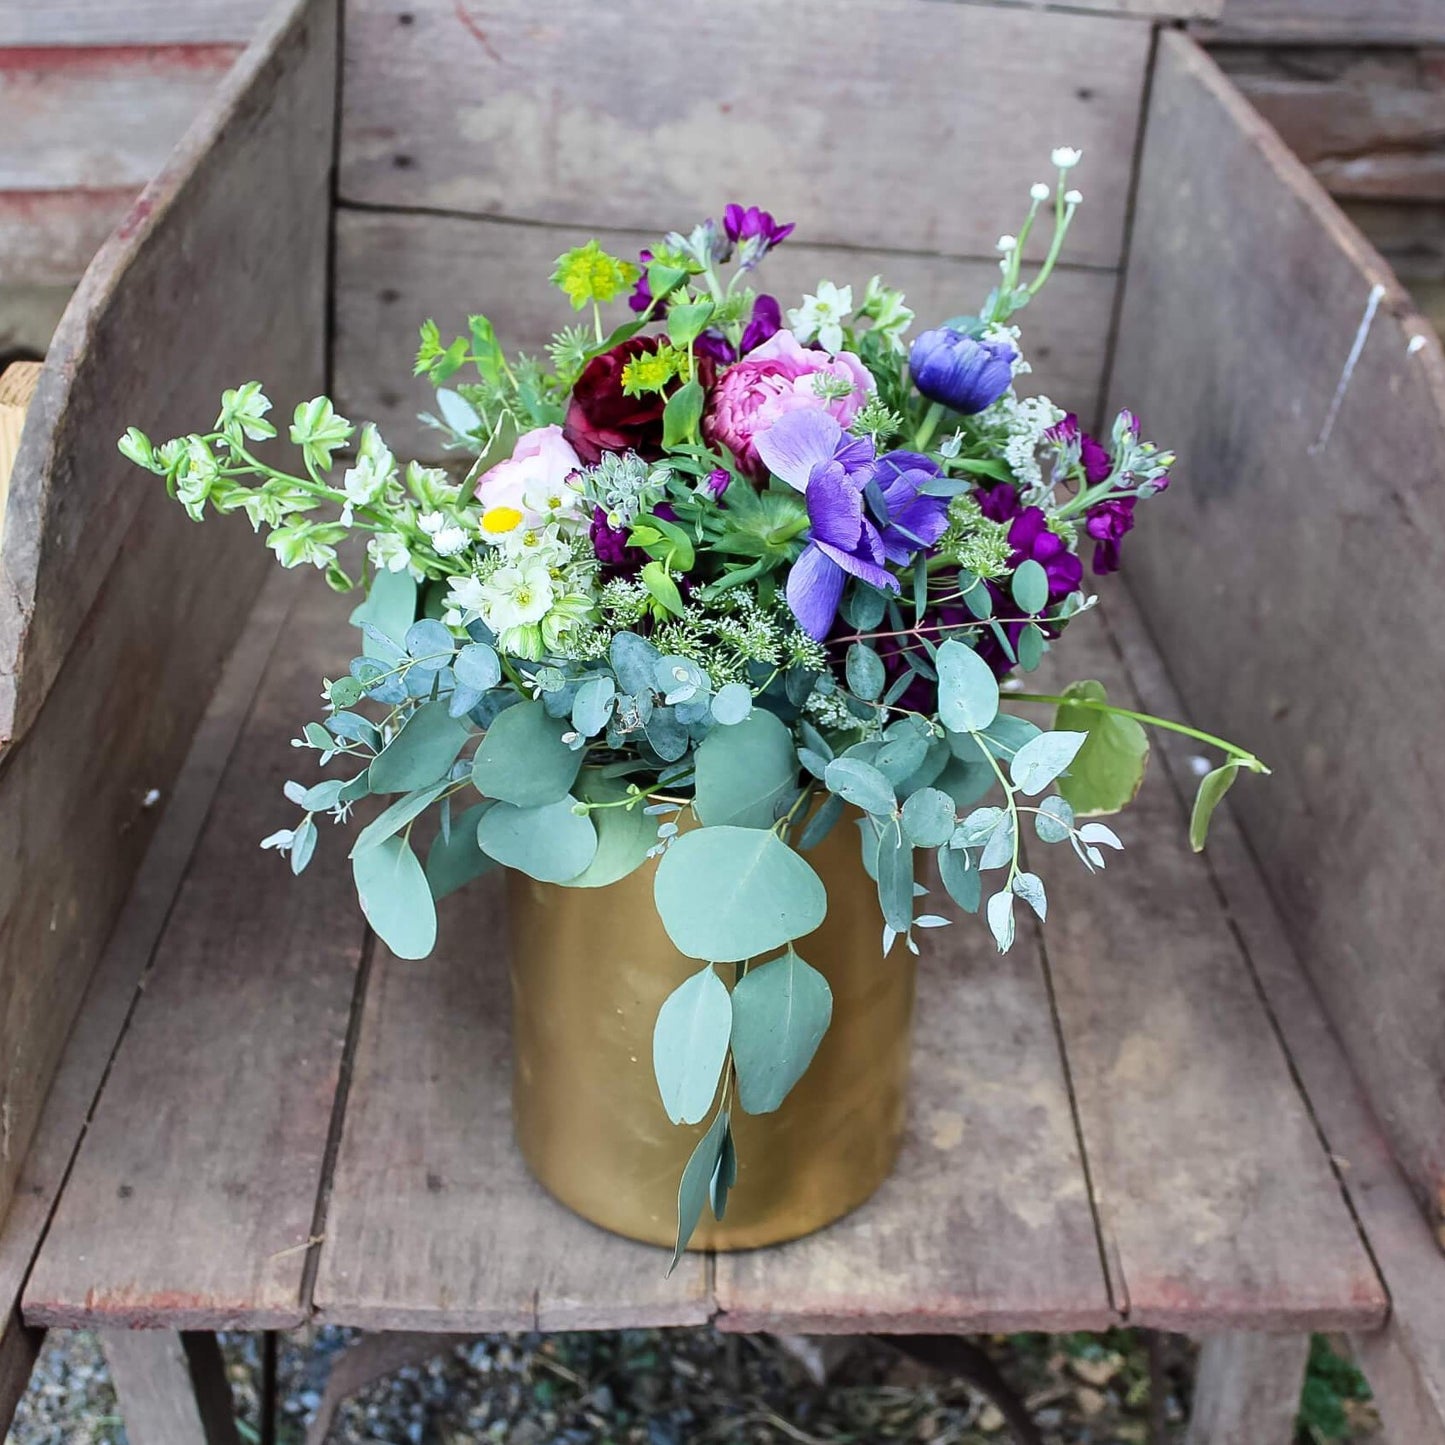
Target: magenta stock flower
(754,232)
(1106,523)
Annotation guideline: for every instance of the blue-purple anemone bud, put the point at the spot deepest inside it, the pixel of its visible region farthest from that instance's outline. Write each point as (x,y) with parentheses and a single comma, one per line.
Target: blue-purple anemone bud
(959,371)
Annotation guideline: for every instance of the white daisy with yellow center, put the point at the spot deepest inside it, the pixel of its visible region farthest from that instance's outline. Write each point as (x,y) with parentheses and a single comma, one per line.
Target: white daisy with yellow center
(518,595)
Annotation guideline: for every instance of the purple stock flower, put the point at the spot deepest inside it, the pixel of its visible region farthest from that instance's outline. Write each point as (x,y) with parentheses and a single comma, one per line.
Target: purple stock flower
(999,503)
(754,232)
(1030,538)
(717,480)
(767,321)
(610,543)
(1106,523)
(959,371)
(641,297)
(1097,461)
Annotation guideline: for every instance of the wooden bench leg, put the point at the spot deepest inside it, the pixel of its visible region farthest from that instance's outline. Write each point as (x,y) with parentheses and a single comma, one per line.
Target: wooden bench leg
(1247,1391)
(172,1387)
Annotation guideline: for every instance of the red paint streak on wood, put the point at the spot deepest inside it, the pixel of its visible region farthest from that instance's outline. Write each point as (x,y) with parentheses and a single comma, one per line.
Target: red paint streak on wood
(476,30)
(93,59)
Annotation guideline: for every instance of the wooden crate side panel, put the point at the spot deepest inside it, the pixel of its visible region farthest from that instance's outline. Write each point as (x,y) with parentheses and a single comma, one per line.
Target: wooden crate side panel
(1290,585)
(137,22)
(116,612)
(899,124)
(180,302)
(395,270)
(1340,21)
(47,238)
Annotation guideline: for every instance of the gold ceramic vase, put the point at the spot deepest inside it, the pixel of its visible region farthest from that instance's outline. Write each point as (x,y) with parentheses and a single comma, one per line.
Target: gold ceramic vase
(590,969)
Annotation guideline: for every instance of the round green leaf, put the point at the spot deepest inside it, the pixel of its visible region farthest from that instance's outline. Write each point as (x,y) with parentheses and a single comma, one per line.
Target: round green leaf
(928,817)
(624,835)
(420,753)
(726,894)
(1044,758)
(967,689)
(732,704)
(861,784)
(690,1045)
(1030,587)
(745,772)
(963,883)
(550,843)
(523,760)
(781,1010)
(1109,768)
(395,898)
(865,671)
(478,667)
(453,862)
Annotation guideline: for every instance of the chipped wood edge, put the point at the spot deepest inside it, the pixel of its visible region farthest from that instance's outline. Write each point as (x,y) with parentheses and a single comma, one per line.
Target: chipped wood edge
(23,689)
(17,387)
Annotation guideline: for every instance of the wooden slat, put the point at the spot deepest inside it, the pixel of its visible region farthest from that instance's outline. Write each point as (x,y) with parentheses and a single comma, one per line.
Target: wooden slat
(99,117)
(1369,122)
(172,1387)
(819,109)
(127,956)
(1216,1199)
(1405,1361)
(135,22)
(1247,1390)
(434,1222)
(115,612)
(231,234)
(17,386)
(1311,442)
(986,1223)
(194,1194)
(47,238)
(396,270)
(1341,22)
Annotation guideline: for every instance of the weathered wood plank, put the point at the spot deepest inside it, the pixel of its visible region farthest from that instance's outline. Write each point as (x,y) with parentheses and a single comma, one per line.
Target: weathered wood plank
(476,106)
(1217,1201)
(136,22)
(235,228)
(17,386)
(1343,22)
(96,640)
(395,270)
(1404,1361)
(985,1223)
(47,238)
(192,1201)
(19,1348)
(172,1387)
(1247,1390)
(100,117)
(127,955)
(28,317)
(1369,122)
(434,1222)
(1279,505)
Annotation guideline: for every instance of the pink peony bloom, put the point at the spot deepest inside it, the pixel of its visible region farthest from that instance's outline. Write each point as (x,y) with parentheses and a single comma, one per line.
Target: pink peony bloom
(532,482)
(772,380)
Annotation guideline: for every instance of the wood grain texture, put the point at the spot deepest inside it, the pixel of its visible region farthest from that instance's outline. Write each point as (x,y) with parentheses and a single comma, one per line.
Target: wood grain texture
(17,386)
(1404,1361)
(47,238)
(396,270)
(172,1387)
(19,1348)
(1274,503)
(136,22)
(985,1224)
(231,234)
(1342,22)
(1247,1390)
(128,953)
(434,1222)
(100,117)
(192,1201)
(1369,122)
(1216,1199)
(480,106)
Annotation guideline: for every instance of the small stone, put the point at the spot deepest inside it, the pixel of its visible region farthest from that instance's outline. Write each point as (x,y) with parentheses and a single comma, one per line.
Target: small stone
(1091,1401)
(990,1419)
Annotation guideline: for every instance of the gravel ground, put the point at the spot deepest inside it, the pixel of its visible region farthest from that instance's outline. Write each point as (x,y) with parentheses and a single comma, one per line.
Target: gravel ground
(684,1387)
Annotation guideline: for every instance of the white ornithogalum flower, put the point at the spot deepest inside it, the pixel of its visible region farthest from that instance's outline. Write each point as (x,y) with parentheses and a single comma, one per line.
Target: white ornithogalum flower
(821,316)
(364,482)
(537,544)
(517,595)
(1007,243)
(1039,191)
(388,552)
(465,600)
(1073,198)
(554,501)
(447,537)
(1066,157)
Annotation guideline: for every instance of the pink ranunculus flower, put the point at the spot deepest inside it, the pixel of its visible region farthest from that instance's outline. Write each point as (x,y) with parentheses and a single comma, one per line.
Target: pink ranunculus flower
(772,380)
(515,492)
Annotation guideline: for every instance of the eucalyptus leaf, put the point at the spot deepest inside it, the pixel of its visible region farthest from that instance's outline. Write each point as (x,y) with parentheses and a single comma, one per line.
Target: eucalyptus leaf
(895,878)
(928,817)
(478,667)
(1030,887)
(1001,919)
(429,645)
(303,845)
(724,1176)
(745,772)
(864,669)
(394,818)
(395,898)
(390,607)
(1030,586)
(861,784)
(967,689)
(1044,758)
(781,1010)
(456,859)
(963,884)
(690,1045)
(822,822)
(522,759)
(592,705)
(420,753)
(634,660)
(624,835)
(696,1187)
(1054,820)
(548,842)
(727,894)
(732,704)
(1106,774)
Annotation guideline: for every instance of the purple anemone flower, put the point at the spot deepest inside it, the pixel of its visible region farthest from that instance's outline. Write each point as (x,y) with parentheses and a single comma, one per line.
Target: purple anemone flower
(963,373)
(754,232)
(915,520)
(810,452)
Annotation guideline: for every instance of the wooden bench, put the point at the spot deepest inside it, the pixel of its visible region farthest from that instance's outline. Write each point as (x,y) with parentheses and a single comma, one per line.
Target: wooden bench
(1208,1100)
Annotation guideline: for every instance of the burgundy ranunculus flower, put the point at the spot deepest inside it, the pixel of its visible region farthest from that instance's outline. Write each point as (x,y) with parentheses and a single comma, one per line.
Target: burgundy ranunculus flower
(601,419)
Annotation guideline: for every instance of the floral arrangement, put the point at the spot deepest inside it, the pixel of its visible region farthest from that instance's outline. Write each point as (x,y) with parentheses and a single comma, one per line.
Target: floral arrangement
(697,587)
